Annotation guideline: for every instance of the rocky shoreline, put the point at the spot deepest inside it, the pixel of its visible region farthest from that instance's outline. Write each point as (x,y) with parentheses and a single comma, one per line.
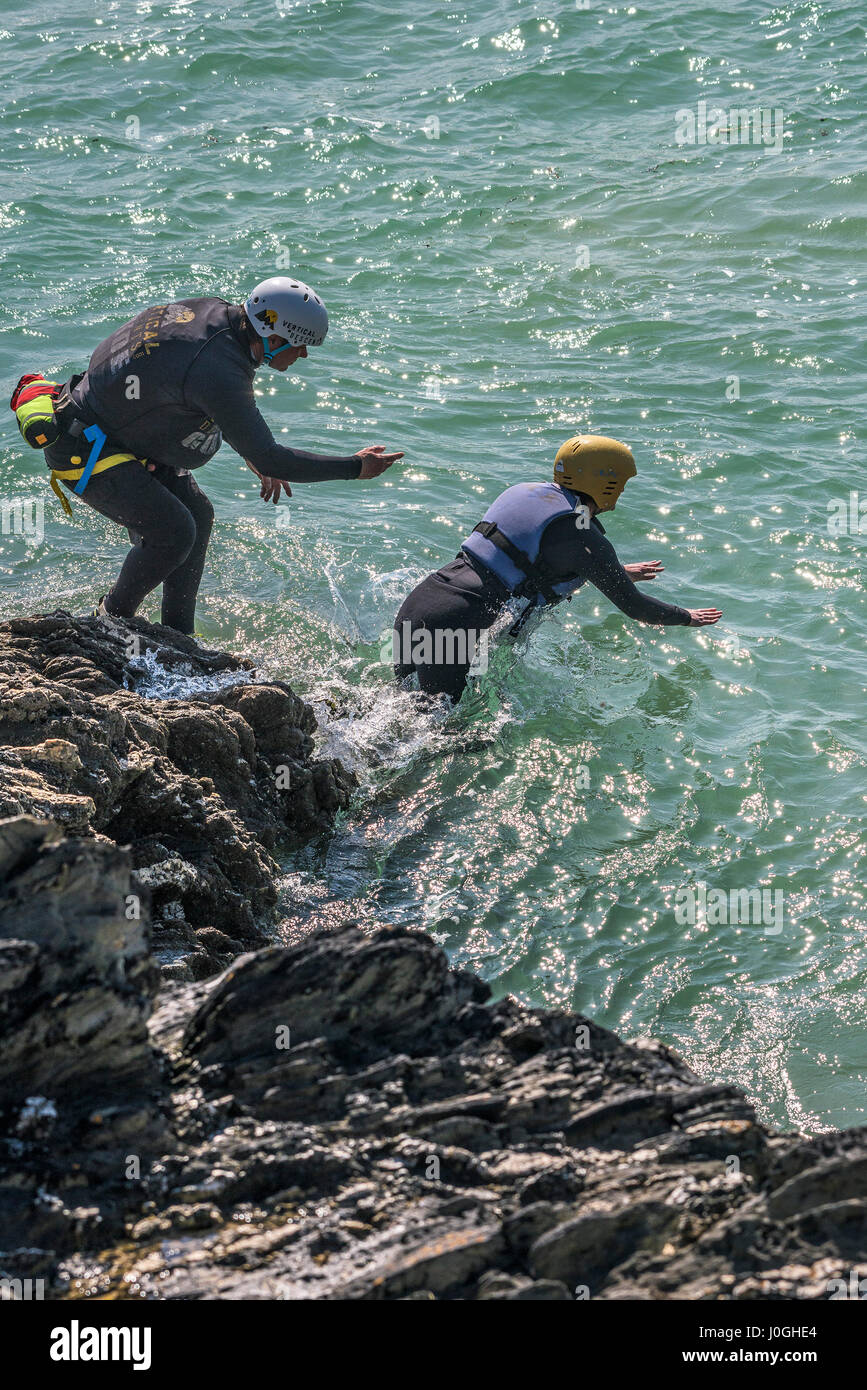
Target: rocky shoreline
(202,790)
(192,1112)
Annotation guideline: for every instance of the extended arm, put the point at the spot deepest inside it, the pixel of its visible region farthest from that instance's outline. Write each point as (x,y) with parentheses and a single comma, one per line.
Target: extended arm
(600,564)
(230,402)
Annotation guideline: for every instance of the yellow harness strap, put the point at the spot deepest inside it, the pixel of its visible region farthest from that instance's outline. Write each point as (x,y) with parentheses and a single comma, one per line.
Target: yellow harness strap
(72,475)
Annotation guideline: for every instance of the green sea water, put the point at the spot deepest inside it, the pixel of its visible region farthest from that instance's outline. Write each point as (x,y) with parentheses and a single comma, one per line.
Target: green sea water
(514,246)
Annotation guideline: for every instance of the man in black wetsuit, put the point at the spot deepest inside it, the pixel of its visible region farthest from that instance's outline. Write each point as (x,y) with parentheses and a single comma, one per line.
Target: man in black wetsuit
(158,398)
(539,541)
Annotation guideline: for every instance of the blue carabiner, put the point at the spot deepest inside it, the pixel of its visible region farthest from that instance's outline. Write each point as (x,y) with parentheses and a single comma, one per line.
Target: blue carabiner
(99,437)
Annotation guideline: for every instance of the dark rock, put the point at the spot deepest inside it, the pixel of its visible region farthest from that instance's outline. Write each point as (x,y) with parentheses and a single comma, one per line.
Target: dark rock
(191,785)
(78,1075)
(362,993)
(586,1249)
(340,1118)
(560,1184)
(390,1149)
(440,1263)
(79,981)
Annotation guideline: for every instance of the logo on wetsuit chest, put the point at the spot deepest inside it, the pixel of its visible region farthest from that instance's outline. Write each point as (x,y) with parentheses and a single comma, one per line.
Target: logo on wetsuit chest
(205,440)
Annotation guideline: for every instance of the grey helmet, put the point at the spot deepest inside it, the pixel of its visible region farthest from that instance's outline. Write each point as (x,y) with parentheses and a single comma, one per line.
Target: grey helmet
(289,308)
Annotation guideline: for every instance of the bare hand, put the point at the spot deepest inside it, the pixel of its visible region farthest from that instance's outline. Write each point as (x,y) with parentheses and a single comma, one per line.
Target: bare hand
(703,617)
(271,487)
(374,460)
(648,570)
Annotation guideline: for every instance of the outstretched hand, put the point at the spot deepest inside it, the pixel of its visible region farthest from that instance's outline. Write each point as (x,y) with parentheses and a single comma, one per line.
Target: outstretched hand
(647,570)
(703,617)
(374,460)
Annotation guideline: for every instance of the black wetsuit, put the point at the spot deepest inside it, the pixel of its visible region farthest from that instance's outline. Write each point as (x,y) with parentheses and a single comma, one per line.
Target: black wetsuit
(169,386)
(466,595)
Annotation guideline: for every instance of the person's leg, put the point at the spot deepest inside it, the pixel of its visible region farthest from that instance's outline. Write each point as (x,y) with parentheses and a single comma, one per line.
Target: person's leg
(182,585)
(444,675)
(160,526)
(437,627)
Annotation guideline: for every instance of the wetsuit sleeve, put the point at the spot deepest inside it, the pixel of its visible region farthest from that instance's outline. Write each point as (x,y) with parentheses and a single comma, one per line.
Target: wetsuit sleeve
(597,561)
(228,399)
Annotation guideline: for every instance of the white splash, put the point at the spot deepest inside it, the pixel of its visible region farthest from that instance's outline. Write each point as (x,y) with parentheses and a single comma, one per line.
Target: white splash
(147,676)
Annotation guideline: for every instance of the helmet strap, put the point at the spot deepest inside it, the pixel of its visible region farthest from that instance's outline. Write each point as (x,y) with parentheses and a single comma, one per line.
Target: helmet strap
(268,353)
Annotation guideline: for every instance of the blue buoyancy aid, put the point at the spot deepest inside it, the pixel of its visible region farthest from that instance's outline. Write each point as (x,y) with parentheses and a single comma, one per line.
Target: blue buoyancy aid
(509,537)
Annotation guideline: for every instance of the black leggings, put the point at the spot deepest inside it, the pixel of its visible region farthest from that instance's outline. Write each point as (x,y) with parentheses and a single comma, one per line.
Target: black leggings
(456,600)
(169,520)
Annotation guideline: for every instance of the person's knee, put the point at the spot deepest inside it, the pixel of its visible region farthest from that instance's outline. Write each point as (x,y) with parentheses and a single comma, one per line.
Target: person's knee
(176,536)
(203,515)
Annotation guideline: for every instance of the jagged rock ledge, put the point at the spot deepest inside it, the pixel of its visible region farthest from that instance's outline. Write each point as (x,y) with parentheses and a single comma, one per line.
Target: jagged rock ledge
(202,789)
(347,1117)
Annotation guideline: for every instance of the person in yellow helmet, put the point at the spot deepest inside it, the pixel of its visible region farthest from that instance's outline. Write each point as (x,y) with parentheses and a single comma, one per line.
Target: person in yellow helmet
(538,541)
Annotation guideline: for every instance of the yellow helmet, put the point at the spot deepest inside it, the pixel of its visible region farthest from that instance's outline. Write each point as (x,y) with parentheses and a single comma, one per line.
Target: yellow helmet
(596,465)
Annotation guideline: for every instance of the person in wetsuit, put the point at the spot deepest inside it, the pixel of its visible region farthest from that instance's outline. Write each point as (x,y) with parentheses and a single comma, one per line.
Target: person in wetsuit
(165,390)
(539,541)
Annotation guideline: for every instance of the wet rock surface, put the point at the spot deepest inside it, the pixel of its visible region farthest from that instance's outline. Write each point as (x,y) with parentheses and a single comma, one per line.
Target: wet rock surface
(345,1117)
(348,1118)
(203,789)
